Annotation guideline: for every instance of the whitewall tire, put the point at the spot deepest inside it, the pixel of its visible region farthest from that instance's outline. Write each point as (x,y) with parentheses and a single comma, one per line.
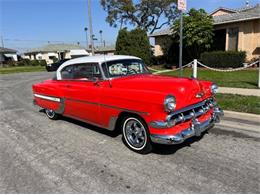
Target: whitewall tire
(136,135)
(51,114)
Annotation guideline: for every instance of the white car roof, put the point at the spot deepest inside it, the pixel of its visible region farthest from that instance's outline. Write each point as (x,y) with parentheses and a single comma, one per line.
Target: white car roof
(98,59)
(93,59)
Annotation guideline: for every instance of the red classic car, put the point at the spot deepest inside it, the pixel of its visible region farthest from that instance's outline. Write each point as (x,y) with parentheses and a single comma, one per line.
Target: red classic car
(119,93)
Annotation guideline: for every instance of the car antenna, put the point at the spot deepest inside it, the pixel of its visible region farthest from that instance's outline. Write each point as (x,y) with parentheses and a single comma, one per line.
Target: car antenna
(110,84)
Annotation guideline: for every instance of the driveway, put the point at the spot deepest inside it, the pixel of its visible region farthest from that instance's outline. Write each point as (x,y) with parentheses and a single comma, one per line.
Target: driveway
(38,155)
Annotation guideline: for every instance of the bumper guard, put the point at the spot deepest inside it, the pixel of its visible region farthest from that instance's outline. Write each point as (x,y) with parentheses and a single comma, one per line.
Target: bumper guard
(195,129)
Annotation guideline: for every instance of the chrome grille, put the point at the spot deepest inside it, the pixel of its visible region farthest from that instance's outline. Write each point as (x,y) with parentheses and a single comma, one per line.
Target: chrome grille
(190,112)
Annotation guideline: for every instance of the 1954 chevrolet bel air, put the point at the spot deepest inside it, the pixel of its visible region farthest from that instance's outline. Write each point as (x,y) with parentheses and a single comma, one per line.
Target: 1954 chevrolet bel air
(118,93)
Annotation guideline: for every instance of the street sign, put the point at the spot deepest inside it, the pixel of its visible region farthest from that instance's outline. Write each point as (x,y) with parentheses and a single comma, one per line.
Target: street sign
(182,5)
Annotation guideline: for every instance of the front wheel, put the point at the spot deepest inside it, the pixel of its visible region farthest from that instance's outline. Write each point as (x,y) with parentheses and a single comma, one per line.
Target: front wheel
(136,135)
(51,114)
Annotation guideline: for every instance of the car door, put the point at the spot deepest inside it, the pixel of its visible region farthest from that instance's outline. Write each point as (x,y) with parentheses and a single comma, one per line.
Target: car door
(82,92)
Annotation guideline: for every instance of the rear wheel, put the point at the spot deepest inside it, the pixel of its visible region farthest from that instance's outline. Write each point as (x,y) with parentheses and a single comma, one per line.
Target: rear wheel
(136,135)
(51,114)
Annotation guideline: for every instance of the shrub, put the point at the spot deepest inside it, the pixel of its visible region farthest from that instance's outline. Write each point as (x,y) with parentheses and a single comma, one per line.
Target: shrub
(158,60)
(42,63)
(224,59)
(135,43)
(27,62)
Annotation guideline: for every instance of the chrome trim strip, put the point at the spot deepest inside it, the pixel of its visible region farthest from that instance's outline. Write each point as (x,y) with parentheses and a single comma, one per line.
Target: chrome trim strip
(62,101)
(55,99)
(194,106)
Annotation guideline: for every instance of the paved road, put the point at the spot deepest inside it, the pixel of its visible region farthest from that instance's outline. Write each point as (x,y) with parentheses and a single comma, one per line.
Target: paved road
(65,156)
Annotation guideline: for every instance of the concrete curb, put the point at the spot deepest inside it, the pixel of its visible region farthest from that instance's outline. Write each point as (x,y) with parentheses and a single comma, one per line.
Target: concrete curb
(239,91)
(239,115)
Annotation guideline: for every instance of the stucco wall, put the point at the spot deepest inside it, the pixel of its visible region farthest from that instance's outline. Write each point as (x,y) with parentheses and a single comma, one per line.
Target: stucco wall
(158,43)
(248,37)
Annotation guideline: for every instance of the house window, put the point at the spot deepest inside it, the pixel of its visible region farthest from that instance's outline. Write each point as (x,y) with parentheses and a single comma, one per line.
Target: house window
(233,39)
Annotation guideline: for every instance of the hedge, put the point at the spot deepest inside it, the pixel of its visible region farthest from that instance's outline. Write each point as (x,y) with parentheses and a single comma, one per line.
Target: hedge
(26,62)
(223,59)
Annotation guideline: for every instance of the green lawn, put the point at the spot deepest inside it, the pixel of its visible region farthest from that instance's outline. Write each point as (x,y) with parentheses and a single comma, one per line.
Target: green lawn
(17,69)
(240,79)
(239,103)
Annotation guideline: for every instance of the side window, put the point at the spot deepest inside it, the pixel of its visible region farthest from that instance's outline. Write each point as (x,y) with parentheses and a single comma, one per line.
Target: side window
(86,71)
(81,72)
(67,73)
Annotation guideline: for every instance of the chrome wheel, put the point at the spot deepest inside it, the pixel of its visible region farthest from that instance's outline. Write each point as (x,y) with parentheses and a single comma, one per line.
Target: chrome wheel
(134,133)
(50,114)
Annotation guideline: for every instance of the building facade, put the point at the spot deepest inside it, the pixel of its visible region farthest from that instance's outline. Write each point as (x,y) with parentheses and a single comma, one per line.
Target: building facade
(52,52)
(234,29)
(7,54)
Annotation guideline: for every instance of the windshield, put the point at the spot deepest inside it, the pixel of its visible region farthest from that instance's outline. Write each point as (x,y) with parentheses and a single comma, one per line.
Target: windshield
(119,68)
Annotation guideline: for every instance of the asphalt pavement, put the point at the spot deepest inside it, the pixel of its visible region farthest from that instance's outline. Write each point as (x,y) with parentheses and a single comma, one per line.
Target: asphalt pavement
(38,155)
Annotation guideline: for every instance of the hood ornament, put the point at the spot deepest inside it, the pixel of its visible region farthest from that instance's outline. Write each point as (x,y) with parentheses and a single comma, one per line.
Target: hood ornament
(199,95)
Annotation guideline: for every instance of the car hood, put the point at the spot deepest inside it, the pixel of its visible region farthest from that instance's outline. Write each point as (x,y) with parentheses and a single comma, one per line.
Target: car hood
(184,89)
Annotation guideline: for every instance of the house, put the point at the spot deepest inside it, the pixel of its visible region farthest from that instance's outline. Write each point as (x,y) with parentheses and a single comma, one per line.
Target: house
(7,54)
(104,50)
(52,52)
(235,30)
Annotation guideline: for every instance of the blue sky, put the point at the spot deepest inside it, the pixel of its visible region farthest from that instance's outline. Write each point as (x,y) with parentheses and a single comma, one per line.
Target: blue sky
(30,23)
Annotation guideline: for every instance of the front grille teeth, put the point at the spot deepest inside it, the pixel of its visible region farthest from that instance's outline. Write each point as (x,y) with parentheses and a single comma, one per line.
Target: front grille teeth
(193,112)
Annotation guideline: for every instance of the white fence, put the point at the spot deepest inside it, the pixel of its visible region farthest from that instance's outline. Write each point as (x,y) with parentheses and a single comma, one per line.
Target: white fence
(194,64)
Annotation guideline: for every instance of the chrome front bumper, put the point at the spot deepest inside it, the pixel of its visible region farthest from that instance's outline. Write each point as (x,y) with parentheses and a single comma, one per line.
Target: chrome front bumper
(195,129)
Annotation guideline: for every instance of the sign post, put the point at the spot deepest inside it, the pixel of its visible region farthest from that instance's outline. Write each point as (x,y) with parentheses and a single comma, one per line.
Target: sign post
(182,7)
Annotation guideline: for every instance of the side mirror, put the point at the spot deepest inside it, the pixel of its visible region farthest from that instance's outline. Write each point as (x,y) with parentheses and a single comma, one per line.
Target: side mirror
(96,81)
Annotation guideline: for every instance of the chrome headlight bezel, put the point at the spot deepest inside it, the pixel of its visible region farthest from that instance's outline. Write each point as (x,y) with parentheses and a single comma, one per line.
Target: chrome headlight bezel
(214,88)
(169,103)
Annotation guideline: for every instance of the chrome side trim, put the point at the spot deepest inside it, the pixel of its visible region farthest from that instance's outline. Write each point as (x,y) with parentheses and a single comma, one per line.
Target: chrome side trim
(55,99)
(62,106)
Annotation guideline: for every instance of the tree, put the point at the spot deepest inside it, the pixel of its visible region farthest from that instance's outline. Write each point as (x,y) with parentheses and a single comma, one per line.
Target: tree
(197,32)
(135,43)
(146,14)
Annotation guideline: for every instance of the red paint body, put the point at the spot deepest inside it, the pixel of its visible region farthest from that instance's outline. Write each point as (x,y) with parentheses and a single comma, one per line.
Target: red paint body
(98,102)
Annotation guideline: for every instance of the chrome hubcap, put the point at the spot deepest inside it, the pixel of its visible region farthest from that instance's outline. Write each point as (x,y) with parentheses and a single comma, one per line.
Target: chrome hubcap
(135,133)
(50,113)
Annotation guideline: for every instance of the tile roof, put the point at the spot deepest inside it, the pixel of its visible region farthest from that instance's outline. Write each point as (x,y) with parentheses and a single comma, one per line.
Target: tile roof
(165,31)
(7,50)
(241,15)
(223,8)
(54,48)
(104,49)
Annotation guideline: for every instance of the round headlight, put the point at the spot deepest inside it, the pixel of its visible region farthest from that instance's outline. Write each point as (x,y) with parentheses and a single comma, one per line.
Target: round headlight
(169,103)
(214,88)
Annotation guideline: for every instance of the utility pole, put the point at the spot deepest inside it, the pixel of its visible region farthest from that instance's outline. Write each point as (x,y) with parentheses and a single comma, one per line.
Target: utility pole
(86,30)
(182,5)
(180,56)
(101,39)
(2,41)
(90,27)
